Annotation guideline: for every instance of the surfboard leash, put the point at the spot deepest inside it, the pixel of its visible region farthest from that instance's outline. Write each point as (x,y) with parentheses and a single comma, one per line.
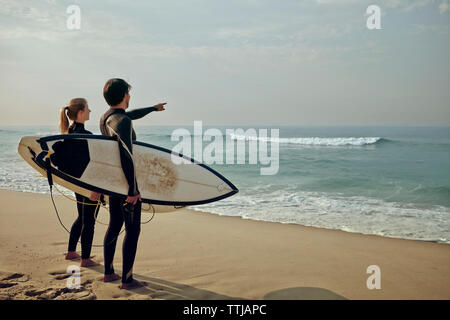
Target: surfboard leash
(102,205)
(99,203)
(62,224)
(50,183)
(79,241)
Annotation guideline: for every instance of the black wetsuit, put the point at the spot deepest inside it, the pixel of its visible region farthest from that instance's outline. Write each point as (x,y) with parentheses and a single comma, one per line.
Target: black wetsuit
(84,224)
(117,123)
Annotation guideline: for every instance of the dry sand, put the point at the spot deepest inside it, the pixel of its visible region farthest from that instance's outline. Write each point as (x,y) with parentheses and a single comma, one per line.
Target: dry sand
(196,255)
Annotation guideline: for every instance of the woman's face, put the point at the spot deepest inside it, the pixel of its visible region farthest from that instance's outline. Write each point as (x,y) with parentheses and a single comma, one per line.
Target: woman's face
(87,112)
(83,115)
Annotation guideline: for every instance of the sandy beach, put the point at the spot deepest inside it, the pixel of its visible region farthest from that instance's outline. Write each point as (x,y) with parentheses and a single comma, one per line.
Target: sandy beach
(196,255)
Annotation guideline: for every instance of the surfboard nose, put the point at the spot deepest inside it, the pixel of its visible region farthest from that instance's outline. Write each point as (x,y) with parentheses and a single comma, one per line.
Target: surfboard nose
(28,147)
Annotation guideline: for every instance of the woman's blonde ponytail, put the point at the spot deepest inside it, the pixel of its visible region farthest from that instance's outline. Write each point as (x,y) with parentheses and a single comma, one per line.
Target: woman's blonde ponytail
(63,121)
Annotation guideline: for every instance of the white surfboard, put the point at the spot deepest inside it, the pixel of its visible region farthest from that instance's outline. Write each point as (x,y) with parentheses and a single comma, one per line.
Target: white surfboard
(85,163)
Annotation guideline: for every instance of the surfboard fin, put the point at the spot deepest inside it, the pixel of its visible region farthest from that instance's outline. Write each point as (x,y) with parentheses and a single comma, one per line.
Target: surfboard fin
(32,153)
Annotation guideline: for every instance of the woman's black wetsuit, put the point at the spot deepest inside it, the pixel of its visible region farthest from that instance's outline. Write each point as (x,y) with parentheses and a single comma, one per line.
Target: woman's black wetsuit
(117,123)
(84,224)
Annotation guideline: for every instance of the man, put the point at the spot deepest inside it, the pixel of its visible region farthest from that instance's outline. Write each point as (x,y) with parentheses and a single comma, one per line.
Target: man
(118,124)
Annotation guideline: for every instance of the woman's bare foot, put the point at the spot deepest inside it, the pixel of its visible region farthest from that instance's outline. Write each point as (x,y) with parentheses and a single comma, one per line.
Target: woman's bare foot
(110,277)
(133,285)
(72,255)
(88,263)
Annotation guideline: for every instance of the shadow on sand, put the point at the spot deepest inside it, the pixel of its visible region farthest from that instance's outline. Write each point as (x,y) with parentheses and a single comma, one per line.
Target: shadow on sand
(166,290)
(303,293)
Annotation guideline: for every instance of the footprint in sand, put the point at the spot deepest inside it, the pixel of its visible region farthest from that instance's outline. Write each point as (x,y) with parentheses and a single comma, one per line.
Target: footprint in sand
(35,293)
(13,276)
(7,285)
(58,292)
(12,284)
(87,283)
(19,286)
(61,274)
(17,277)
(83,293)
(61,294)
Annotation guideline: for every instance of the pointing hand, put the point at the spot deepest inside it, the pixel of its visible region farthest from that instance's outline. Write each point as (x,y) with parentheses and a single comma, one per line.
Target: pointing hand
(160,106)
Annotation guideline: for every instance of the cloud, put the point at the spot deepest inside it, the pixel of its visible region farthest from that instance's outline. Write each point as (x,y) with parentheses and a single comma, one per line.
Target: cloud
(245,32)
(336,1)
(23,33)
(406,5)
(419,29)
(46,21)
(309,39)
(443,7)
(409,5)
(28,11)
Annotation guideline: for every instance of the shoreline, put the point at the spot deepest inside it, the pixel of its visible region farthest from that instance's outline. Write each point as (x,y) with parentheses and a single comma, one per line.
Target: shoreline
(192,254)
(319,228)
(278,222)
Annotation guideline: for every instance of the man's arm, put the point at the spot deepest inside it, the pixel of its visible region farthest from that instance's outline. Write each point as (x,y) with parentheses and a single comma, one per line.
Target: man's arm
(142,112)
(124,135)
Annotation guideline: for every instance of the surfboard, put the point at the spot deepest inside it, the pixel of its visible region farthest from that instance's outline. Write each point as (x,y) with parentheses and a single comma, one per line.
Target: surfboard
(84,163)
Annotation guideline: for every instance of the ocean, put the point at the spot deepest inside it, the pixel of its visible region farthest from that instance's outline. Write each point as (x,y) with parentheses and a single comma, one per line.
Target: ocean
(388,181)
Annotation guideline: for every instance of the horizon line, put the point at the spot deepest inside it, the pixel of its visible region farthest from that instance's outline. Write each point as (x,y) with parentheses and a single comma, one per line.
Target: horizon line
(261,124)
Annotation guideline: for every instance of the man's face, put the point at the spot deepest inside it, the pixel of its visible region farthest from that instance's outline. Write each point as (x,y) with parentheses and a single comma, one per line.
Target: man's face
(127,99)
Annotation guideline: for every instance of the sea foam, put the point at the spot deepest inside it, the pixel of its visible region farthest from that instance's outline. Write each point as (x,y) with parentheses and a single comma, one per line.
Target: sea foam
(314,141)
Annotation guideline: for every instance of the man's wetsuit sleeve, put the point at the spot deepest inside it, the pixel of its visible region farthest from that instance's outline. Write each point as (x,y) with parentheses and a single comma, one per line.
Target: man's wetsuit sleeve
(139,113)
(124,132)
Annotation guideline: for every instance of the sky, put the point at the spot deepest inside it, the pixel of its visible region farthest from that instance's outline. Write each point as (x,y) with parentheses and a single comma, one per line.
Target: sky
(246,62)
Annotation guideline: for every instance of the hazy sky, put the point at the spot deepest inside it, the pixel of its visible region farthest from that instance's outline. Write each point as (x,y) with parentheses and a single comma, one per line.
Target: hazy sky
(311,62)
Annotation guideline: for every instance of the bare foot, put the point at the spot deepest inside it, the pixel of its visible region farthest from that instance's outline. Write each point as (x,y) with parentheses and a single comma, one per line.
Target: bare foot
(72,255)
(133,285)
(88,263)
(110,277)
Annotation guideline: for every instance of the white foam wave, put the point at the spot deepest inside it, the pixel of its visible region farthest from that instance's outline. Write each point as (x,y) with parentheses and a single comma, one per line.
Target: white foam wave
(352,214)
(313,141)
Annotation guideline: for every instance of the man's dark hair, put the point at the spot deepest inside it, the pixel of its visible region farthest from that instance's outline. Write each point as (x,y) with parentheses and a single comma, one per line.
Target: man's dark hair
(115,90)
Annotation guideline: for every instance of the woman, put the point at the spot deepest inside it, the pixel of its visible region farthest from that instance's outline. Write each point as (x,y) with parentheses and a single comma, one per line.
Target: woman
(78,111)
